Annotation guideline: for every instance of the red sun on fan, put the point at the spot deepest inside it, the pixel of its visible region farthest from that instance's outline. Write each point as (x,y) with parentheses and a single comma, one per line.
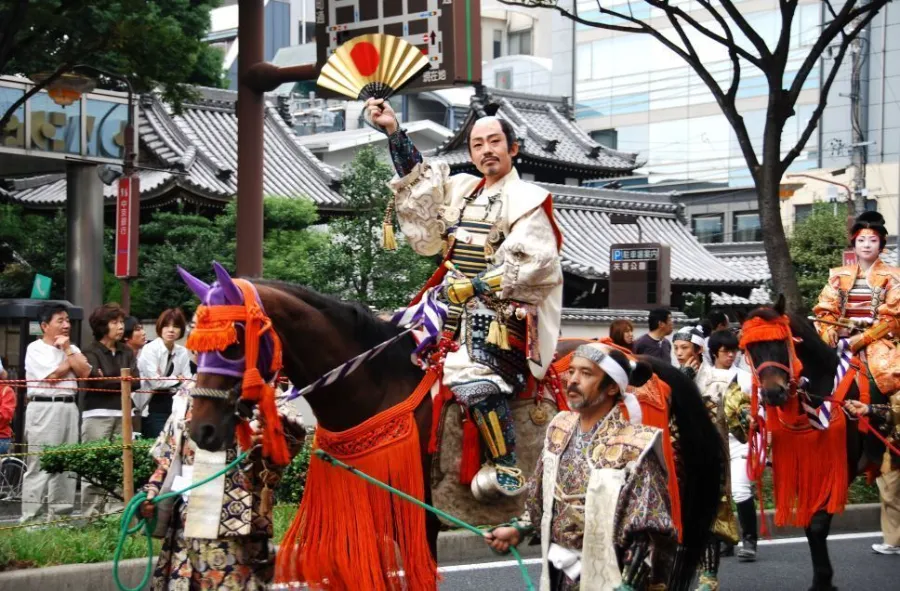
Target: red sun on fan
(365,57)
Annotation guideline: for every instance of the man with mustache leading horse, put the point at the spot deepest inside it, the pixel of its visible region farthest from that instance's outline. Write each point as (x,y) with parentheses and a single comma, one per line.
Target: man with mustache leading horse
(504,286)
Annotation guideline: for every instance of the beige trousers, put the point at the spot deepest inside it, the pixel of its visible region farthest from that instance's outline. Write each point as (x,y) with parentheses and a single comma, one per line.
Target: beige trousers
(48,423)
(889,486)
(94,498)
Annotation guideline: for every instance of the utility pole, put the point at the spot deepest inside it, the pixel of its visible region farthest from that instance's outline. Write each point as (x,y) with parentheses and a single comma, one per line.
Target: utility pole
(859,118)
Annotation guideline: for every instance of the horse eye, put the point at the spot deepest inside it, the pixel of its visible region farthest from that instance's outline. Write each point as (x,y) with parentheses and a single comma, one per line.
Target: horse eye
(236,350)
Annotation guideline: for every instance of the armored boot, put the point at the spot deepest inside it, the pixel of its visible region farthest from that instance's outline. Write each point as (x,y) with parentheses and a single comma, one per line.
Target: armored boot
(488,406)
(747,516)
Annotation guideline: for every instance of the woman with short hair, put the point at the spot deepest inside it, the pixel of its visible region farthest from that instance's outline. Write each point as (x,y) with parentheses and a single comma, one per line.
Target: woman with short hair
(161,360)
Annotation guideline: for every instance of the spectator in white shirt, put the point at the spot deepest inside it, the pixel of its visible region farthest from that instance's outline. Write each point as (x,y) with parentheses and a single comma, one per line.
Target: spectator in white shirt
(160,359)
(51,415)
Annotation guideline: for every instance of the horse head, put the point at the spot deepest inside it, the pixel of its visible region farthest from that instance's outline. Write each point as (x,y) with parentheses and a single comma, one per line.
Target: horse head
(229,384)
(768,342)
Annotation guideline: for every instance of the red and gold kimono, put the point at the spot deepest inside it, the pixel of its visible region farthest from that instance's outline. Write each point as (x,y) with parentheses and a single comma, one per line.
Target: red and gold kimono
(872,301)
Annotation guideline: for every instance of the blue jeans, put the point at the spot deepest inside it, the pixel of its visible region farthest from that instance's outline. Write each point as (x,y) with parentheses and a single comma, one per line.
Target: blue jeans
(5,444)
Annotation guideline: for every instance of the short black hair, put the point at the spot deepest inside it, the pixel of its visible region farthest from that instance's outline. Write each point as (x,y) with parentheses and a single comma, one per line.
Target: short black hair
(657,317)
(508,131)
(50,310)
(714,319)
(130,324)
(722,339)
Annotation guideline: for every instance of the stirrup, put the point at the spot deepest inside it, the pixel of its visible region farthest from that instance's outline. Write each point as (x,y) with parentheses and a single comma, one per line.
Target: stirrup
(487,483)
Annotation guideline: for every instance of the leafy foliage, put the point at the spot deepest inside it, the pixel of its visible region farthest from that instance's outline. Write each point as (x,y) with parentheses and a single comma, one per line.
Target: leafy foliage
(817,245)
(100,463)
(31,243)
(293,480)
(356,267)
(155,43)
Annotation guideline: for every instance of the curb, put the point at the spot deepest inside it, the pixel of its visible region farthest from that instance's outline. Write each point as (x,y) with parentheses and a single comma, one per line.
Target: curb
(454,547)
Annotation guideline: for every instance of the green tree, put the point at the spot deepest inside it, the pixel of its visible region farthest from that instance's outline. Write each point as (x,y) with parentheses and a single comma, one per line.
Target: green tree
(817,245)
(31,243)
(155,43)
(290,249)
(355,266)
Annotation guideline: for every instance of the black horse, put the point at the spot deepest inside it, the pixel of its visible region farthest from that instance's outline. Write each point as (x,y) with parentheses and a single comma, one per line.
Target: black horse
(795,444)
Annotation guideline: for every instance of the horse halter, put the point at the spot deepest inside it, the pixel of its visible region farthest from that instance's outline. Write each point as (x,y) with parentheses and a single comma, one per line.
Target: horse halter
(215,331)
(759,330)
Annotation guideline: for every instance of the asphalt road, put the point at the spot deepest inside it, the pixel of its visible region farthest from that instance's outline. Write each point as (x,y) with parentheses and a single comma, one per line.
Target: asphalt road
(782,564)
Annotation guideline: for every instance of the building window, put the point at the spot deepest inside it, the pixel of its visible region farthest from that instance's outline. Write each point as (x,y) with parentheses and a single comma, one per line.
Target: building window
(708,228)
(520,43)
(746,227)
(498,43)
(503,79)
(801,212)
(608,138)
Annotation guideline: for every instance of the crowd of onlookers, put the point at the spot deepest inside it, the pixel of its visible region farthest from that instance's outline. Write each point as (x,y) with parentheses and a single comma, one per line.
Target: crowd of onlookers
(59,374)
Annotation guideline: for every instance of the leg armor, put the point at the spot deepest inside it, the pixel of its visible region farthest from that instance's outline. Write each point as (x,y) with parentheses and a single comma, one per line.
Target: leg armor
(490,410)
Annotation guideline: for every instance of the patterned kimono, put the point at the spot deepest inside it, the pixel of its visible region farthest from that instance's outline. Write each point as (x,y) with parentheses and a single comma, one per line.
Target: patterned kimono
(596,495)
(869,298)
(242,557)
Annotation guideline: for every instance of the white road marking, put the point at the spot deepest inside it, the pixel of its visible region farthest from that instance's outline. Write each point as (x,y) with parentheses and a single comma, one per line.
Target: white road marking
(529,561)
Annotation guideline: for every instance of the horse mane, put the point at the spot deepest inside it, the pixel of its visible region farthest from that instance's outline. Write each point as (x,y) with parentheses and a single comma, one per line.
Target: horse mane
(359,323)
(703,459)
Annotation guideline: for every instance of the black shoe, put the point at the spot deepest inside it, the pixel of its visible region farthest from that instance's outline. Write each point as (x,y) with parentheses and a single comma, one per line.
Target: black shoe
(727,549)
(747,553)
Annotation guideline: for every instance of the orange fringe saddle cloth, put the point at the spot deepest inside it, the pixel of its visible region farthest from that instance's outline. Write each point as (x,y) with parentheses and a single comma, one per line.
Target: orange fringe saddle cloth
(349,534)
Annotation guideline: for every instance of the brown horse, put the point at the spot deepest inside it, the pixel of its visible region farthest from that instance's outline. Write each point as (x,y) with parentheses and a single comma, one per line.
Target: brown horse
(319,333)
(831,457)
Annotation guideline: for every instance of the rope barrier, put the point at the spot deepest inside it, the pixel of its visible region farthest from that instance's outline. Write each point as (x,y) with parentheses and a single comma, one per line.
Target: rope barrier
(512,549)
(132,509)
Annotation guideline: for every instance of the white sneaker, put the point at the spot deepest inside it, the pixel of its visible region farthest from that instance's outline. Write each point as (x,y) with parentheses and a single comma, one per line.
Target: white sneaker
(885,549)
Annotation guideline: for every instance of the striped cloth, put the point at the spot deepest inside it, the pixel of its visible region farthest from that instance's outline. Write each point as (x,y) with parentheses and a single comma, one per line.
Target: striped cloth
(820,415)
(428,315)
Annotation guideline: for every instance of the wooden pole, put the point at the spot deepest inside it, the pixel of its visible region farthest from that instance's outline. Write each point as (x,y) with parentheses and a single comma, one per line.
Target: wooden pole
(127,439)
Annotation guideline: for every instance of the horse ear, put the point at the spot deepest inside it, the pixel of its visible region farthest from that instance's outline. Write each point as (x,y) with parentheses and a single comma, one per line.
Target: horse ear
(641,372)
(199,288)
(780,304)
(232,292)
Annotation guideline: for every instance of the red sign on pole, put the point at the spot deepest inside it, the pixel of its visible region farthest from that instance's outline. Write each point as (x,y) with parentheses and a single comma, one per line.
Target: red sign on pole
(849,257)
(127,218)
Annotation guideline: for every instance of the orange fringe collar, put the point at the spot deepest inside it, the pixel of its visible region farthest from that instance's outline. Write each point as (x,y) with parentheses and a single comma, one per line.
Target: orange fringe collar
(216,331)
(349,534)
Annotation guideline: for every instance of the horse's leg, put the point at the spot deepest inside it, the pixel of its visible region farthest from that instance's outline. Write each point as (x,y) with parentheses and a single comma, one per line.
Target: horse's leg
(817,536)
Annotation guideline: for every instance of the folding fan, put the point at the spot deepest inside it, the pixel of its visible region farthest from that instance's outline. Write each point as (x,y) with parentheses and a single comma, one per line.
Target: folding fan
(372,66)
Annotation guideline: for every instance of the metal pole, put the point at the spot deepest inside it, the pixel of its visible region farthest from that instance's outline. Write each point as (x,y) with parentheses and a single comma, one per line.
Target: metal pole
(127,439)
(250,113)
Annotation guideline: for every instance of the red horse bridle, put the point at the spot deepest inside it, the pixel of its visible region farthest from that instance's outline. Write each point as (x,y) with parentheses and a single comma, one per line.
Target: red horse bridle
(759,330)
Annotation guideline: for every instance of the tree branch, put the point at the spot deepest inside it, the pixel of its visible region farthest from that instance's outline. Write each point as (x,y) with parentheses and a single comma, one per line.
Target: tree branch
(742,24)
(783,46)
(727,41)
(845,17)
(13,24)
(731,95)
(823,93)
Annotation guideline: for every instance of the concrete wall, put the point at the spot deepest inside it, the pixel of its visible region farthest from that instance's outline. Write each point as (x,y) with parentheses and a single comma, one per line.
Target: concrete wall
(527,73)
(728,205)
(563,34)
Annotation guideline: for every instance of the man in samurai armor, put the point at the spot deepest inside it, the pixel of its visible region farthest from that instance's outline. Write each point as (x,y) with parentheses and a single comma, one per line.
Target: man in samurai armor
(501,276)
(599,498)
(859,313)
(688,346)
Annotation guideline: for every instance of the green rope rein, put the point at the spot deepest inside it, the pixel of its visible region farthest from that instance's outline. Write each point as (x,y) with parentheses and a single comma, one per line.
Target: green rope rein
(522,569)
(132,510)
(134,505)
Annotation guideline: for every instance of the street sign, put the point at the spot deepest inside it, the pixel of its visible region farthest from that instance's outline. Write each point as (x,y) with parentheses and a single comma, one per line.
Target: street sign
(447,31)
(849,257)
(639,276)
(127,219)
(40,290)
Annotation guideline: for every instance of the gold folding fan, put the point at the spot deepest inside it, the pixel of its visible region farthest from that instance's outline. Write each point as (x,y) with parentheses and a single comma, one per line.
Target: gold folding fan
(372,66)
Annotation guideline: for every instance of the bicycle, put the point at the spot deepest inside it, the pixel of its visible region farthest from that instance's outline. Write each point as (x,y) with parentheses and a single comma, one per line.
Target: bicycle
(12,471)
